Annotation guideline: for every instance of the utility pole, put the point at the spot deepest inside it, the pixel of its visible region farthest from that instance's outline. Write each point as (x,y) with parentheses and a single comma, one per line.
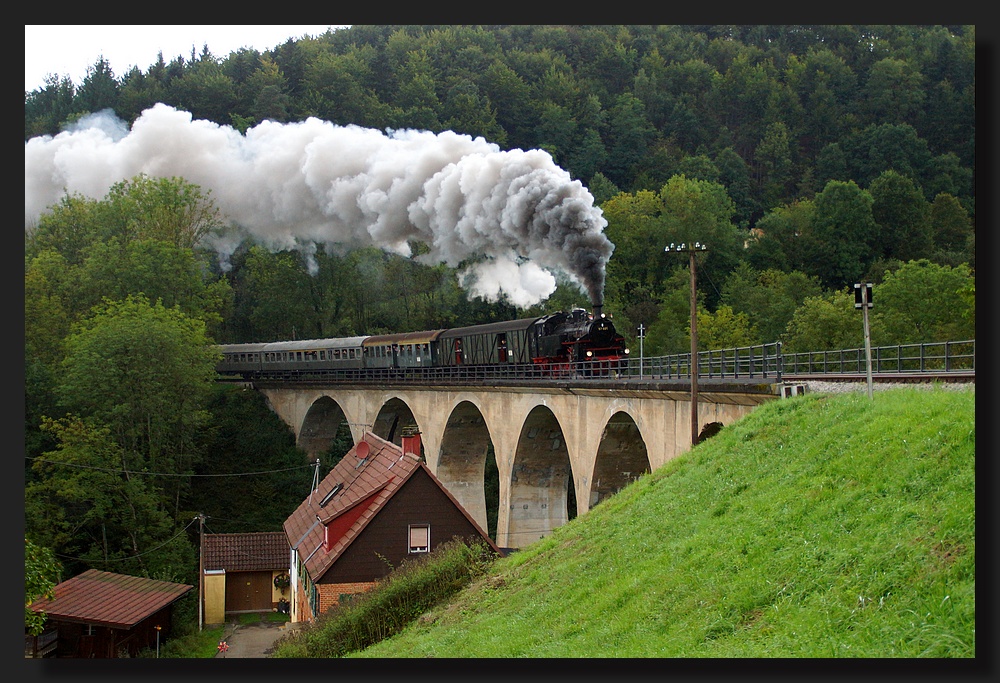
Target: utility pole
(691,250)
(201,568)
(642,335)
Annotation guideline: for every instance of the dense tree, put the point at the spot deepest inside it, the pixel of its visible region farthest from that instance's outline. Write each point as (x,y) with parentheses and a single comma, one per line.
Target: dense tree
(143,370)
(893,92)
(734,175)
(41,574)
(138,93)
(885,146)
(46,109)
(261,464)
(629,136)
(671,331)
(466,111)
(417,93)
(602,188)
(282,289)
(773,158)
(266,89)
(825,323)
(902,216)
(769,298)
(701,211)
(838,247)
(923,302)
(96,509)
(206,91)
(725,329)
(951,227)
(99,89)
(49,290)
(636,226)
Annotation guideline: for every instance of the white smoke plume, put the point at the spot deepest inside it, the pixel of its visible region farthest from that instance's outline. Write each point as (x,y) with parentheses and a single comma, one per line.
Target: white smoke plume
(516,214)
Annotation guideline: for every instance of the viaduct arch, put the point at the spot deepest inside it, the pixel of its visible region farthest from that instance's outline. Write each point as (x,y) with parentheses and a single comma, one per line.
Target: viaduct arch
(555,447)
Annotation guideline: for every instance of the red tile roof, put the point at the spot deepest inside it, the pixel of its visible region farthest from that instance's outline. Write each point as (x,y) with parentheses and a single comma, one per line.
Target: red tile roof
(367,477)
(250,552)
(115,600)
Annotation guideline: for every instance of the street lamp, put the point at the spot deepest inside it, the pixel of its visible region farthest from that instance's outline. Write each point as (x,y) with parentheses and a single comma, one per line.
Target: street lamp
(691,250)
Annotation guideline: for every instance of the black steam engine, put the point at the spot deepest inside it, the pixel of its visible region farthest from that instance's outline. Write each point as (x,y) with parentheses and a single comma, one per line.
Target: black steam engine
(563,344)
(565,341)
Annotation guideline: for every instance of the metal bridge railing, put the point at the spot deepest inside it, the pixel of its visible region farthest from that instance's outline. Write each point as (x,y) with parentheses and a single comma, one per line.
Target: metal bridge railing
(744,362)
(763,361)
(951,356)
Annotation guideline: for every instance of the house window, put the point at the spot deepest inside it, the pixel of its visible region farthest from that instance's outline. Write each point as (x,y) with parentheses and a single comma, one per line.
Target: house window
(420,538)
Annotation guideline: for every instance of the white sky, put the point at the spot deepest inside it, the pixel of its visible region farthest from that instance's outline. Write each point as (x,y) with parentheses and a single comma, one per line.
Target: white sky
(69,50)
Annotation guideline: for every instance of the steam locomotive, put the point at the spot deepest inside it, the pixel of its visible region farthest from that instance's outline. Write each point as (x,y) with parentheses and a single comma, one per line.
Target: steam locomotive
(563,344)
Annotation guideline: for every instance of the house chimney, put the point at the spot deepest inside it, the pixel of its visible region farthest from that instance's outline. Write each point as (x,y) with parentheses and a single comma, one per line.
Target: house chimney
(411,440)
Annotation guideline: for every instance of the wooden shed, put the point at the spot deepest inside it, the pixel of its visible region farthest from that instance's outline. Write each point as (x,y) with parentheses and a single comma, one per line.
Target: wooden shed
(244,573)
(103,615)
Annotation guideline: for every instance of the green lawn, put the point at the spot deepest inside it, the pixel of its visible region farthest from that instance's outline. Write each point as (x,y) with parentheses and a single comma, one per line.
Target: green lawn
(821,526)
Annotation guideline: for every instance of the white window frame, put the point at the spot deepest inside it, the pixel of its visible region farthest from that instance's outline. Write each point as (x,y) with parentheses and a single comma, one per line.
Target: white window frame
(416,547)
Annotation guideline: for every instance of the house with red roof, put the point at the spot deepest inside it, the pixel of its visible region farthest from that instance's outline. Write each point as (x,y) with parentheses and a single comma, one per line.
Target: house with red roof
(102,615)
(377,508)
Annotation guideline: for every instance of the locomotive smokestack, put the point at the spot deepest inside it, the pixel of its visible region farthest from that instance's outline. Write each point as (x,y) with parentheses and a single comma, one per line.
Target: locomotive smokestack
(597,310)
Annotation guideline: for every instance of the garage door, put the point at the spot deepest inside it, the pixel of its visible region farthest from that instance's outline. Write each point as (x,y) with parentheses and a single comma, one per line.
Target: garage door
(248,591)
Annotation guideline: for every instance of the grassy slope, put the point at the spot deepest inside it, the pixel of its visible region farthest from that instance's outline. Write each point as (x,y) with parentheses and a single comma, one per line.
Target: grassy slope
(819,526)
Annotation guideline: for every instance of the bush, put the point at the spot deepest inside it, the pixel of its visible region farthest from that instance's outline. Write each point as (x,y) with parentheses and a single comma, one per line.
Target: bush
(397,600)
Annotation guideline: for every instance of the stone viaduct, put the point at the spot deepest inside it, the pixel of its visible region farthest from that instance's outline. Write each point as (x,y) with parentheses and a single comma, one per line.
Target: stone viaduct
(556,447)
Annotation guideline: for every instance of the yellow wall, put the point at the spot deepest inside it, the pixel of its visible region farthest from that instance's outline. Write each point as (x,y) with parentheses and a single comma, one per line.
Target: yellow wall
(215,598)
(279,593)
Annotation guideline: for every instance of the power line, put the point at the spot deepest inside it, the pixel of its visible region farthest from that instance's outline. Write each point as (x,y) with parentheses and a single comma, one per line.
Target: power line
(130,557)
(167,474)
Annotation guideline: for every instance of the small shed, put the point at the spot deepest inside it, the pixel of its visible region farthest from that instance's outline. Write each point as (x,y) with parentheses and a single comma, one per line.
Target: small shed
(244,573)
(378,506)
(103,615)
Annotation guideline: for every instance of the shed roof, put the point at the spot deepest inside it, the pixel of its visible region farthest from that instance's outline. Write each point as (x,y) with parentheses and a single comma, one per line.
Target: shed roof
(246,552)
(108,599)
